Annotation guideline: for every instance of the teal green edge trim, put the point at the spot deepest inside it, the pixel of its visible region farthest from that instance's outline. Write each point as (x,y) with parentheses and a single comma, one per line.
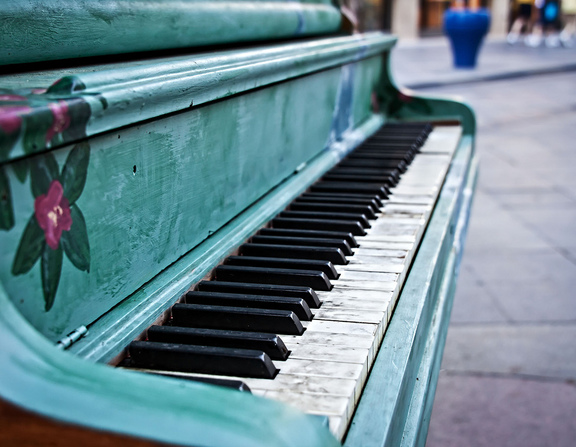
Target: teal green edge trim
(383,416)
(133,92)
(114,330)
(405,104)
(55,29)
(37,376)
(418,418)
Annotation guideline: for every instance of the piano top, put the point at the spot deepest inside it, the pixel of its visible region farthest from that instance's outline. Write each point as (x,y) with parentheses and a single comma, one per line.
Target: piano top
(44,30)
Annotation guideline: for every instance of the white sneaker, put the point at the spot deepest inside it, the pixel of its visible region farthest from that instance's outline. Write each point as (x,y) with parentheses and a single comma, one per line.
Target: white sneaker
(512,38)
(566,40)
(533,40)
(552,41)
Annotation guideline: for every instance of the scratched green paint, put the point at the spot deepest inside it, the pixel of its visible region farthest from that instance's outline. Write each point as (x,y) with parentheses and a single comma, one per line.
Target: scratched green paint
(103,27)
(156,190)
(125,93)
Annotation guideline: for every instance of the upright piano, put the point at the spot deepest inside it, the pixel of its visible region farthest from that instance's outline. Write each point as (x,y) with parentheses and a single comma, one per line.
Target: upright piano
(221,224)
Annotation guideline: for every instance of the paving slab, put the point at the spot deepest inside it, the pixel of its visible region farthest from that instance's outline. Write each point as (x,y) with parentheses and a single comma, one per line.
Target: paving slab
(476,303)
(494,229)
(543,350)
(477,411)
(557,226)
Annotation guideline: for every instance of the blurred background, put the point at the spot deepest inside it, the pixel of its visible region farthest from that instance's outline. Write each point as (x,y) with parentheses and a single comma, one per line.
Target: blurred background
(508,376)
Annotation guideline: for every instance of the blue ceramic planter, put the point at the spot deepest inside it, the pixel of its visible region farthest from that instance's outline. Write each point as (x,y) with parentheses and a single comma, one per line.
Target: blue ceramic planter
(466,29)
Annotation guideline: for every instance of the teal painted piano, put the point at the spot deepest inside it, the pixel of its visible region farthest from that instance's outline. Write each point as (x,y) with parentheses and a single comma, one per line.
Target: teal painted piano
(243,176)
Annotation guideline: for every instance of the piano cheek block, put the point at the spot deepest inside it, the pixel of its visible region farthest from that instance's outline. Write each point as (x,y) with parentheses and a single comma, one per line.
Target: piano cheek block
(202,359)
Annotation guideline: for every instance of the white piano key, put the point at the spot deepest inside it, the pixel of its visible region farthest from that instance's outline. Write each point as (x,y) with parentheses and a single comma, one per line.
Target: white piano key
(342,327)
(387,267)
(366,302)
(410,199)
(335,339)
(351,315)
(310,351)
(303,385)
(366,285)
(343,294)
(329,405)
(362,259)
(338,426)
(347,275)
(322,368)
(374,241)
(382,252)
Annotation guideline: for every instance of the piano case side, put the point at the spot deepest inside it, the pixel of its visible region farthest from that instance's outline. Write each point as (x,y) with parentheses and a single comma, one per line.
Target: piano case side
(39,377)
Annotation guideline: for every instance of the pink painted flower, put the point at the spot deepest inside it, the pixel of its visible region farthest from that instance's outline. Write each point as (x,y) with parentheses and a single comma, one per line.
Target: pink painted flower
(11,116)
(61,118)
(13,98)
(52,212)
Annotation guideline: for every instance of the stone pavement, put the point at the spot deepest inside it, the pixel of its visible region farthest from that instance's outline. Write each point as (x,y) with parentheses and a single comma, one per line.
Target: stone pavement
(508,376)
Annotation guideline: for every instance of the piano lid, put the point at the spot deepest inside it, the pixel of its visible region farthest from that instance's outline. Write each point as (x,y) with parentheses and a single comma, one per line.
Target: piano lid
(43,30)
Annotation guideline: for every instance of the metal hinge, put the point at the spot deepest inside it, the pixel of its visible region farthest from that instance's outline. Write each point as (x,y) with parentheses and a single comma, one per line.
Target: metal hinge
(72,337)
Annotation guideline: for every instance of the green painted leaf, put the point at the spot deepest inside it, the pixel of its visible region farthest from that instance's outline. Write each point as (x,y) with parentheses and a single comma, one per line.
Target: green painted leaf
(7,142)
(43,170)
(6,209)
(50,269)
(21,170)
(75,242)
(30,248)
(74,171)
(66,86)
(37,124)
(79,112)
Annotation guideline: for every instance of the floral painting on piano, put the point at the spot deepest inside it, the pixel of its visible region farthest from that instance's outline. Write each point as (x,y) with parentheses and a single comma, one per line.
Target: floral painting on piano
(32,120)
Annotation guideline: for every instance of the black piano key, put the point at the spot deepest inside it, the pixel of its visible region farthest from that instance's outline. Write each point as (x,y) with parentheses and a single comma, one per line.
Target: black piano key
(384,180)
(346,195)
(285,263)
(271,344)
(332,254)
(296,305)
(389,169)
(379,155)
(348,187)
(355,170)
(303,241)
(348,226)
(360,218)
(311,198)
(237,319)
(382,146)
(306,293)
(390,139)
(398,138)
(348,237)
(266,275)
(299,205)
(202,359)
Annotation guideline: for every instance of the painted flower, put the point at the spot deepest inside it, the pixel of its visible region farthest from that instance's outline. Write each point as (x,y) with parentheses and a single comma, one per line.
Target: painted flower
(11,116)
(52,212)
(61,119)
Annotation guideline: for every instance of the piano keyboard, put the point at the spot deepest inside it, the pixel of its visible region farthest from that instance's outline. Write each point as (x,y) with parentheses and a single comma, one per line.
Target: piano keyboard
(314,331)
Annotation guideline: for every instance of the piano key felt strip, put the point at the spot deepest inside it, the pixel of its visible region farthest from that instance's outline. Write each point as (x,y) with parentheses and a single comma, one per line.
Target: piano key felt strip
(262,316)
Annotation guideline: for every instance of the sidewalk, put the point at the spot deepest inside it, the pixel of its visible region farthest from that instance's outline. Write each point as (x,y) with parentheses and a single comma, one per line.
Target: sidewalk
(508,375)
(427,63)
